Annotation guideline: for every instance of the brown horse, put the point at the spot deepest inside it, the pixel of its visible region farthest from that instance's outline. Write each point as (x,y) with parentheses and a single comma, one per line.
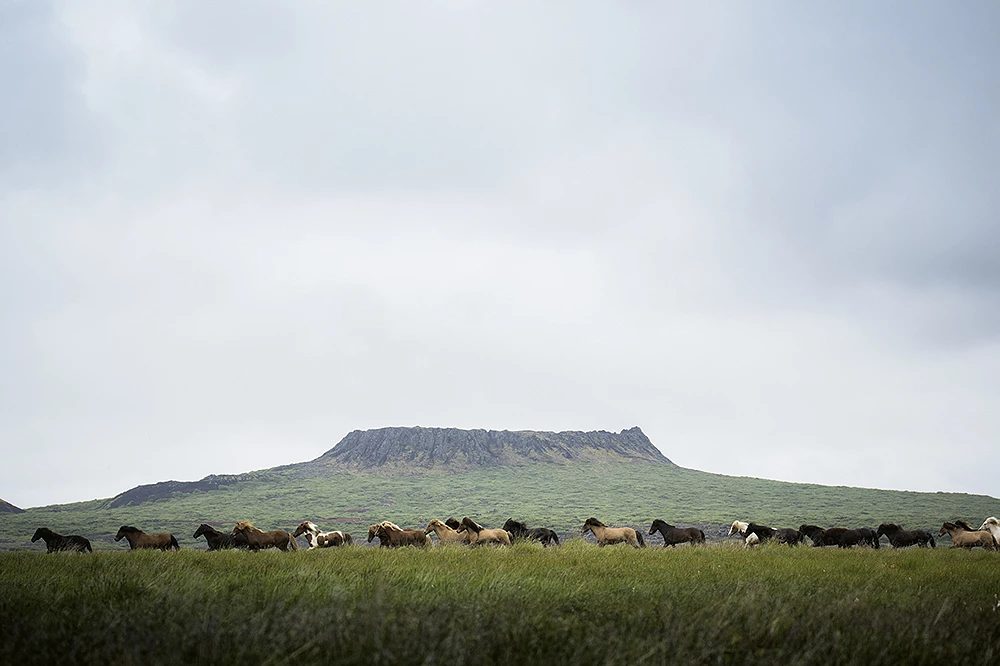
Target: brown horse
(607,536)
(246,533)
(675,535)
(57,542)
(138,539)
(477,534)
(446,533)
(964,537)
(391,535)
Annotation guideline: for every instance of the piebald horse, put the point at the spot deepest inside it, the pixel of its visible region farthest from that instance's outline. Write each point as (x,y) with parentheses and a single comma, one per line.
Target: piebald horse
(607,536)
(317,539)
(477,534)
(962,536)
(254,538)
(137,539)
(742,528)
(57,542)
(446,533)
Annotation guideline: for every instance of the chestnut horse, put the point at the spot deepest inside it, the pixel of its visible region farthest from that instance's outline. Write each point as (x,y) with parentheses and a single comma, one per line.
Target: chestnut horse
(963,537)
(216,540)
(57,542)
(675,535)
(446,533)
(607,536)
(138,539)
(477,534)
(318,539)
(255,538)
(391,535)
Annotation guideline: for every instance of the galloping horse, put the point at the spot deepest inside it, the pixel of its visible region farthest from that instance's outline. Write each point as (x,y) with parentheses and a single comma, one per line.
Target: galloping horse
(446,533)
(479,534)
(789,536)
(57,542)
(675,535)
(900,538)
(607,536)
(255,539)
(868,537)
(963,537)
(993,525)
(216,540)
(519,530)
(750,537)
(318,539)
(834,536)
(138,539)
(391,535)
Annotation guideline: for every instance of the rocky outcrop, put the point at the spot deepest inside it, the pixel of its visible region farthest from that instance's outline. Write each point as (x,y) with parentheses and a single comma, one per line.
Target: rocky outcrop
(7,507)
(164,489)
(451,447)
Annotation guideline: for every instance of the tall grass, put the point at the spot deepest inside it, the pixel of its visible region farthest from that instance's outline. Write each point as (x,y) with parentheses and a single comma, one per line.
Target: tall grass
(576,603)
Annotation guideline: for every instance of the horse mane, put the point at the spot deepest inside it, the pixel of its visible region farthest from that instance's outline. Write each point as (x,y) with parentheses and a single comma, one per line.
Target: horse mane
(390,525)
(517,524)
(453,523)
(964,525)
(470,524)
(129,528)
(595,522)
(244,525)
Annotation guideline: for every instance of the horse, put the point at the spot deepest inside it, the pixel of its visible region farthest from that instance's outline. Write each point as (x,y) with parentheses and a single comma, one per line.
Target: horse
(519,530)
(454,524)
(788,536)
(138,539)
(256,538)
(993,525)
(900,538)
(868,537)
(815,533)
(318,539)
(675,535)
(445,533)
(963,537)
(479,534)
(57,542)
(751,537)
(607,536)
(391,535)
(216,540)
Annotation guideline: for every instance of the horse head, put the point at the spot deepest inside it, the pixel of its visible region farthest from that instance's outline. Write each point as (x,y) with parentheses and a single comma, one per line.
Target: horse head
(590,524)
(471,525)
(203,529)
(40,533)
(738,527)
(125,530)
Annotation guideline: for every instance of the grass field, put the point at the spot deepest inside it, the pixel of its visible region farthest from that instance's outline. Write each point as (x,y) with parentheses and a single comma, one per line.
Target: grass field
(574,604)
(557,496)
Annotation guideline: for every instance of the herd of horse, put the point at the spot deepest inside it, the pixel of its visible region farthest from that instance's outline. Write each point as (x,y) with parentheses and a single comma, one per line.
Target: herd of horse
(245,535)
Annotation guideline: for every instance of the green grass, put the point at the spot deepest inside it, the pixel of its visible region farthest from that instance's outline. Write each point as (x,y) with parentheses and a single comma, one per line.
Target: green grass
(557,496)
(574,604)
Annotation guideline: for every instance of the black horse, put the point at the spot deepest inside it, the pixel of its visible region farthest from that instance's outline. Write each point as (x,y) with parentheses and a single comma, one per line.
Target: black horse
(675,535)
(453,523)
(788,536)
(57,542)
(519,530)
(900,538)
(834,536)
(868,537)
(217,540)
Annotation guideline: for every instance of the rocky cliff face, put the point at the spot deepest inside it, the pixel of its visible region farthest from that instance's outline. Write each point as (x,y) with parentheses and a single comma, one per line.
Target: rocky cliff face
(451,447)
(7,507)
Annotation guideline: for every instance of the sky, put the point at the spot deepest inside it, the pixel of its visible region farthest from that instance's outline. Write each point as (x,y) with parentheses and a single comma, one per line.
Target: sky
(766,233)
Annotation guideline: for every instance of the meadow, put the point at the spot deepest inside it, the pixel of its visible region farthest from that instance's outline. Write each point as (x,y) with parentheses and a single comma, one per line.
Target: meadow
(573,604)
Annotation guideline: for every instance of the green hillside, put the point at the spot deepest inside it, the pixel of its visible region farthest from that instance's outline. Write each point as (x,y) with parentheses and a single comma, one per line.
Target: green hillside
(555,495)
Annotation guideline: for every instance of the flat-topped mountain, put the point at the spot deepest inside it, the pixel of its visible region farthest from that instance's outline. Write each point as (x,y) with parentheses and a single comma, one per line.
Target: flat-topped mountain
(7,507)
(452,447)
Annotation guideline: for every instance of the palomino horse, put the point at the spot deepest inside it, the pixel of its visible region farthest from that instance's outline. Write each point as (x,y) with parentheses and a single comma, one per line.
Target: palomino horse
(138,539)
(446,533)
(391,535)
(216,540)
(57,542)
(607,536)
(477,534)
(900,538)
(963,537)
(519,530)
(675,535)
(318,539)
(993,525)
(254,538)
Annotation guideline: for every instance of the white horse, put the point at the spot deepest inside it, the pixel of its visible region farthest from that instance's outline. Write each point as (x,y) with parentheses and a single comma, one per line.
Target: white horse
(740,527)
(317,539)
(993,525)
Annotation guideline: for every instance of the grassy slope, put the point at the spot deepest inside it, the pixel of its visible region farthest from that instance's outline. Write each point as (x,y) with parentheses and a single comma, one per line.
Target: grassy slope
(575,604)
(559,496)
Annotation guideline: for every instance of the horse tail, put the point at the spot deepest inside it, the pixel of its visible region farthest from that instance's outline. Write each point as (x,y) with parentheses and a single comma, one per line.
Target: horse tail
(173,543)
(640,539)
(348,539)
(554,536)
(86,546)
(932,541)
(701,536)
(292,542)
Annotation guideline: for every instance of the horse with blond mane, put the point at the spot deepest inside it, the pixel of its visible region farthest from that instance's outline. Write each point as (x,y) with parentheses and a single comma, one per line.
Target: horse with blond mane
(255,538)
(391,535)
(477,534)
(607,536)
(446,533)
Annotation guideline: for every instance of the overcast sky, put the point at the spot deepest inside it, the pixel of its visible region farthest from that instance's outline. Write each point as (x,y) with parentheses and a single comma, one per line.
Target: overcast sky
(766,233)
